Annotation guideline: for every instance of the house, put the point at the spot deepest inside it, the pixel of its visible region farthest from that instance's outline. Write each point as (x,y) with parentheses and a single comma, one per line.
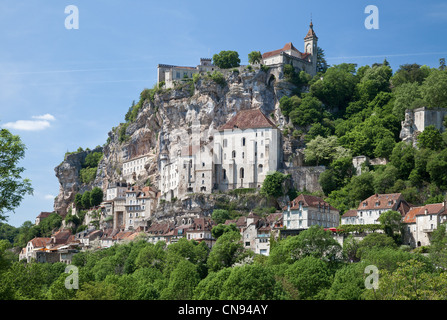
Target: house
(116,190)
(301,61)
(133,167)
(41,216)
(369,210)
(140,201)
(420,222)
(33,246)
(349,217)
(200,230)
(245,149)
(305,211)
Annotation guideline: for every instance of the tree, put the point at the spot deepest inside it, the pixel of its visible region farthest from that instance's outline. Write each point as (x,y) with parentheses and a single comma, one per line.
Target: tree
(85,200)
(13,187)
(96,196)
(254,57)
(220,216)
(348,284)
(226,251)
(336,87)
(405,96)
(220,229)
(410,73)
(310,275)
(430,138)
(434,89)
(273,184)
(314,241)
(403,158)
(309,111)
(226,59)
(249,282)
(322,65)
(182,282)
(438,246)
(437,168)
(322,151)
(375,240)
(391,221)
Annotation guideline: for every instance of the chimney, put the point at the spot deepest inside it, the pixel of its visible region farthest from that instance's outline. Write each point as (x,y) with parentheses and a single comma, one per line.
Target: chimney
(426,211)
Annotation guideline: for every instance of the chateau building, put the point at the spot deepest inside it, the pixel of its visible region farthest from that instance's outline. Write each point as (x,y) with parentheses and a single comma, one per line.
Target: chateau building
(133,167)
(302,61)
(139,205)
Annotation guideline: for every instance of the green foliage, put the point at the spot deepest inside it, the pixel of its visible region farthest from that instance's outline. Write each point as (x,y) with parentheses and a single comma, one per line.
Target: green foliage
(431,138)
(92,160)
(273,185)
(220,216)
(307,112)
(13,187)
(434,89)
(322,151)
(226,59)
(220,229)
(375,241)
(254,57)
(227,250)
(96,196)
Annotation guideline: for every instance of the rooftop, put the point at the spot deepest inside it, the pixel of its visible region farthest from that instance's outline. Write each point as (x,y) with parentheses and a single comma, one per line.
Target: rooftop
(248,119)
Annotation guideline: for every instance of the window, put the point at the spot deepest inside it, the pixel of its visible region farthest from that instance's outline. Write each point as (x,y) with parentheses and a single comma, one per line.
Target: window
(224,173)
(241,173)
(225,143)
(260,168)
(243,142)
(243,155)
(233,154)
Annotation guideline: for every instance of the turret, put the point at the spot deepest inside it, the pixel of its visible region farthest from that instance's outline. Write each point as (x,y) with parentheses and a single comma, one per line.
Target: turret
(310,46)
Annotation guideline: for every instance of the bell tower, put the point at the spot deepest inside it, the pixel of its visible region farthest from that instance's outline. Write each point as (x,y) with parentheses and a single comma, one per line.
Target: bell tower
(310,46)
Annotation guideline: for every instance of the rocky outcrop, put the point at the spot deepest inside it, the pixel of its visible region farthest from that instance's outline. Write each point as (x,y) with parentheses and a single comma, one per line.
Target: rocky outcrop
(68,174)
(163,121)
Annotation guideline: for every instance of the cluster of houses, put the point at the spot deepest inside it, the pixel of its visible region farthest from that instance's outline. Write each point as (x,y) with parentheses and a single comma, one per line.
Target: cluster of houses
(300,214)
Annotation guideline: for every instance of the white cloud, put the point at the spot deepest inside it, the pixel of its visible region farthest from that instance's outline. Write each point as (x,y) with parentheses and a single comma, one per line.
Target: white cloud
(48,197)
(47,116)
(42,122)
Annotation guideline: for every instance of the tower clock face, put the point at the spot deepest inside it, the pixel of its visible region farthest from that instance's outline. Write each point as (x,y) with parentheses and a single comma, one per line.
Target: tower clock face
(308,48)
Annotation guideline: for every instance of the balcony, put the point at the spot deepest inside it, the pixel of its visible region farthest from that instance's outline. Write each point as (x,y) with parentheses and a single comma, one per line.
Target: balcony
(428,230)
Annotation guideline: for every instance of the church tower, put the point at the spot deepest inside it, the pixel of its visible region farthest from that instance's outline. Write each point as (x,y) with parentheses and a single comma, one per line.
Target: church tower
(310,46)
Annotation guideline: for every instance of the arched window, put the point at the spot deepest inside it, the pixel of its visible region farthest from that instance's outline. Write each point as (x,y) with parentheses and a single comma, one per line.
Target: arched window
(241,173)
(224,173)
(260,168)
(233,154)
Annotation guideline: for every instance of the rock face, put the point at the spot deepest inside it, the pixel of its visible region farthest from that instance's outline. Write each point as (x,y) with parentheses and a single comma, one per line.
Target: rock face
(209,104)
(69,179)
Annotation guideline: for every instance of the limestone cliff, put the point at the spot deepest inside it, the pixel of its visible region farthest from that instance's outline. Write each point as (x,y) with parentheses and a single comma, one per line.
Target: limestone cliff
(208,103)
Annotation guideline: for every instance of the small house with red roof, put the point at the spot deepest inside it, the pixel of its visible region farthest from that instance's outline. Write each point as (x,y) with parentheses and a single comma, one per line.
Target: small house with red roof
(370,209)
(420,223)
(306,210)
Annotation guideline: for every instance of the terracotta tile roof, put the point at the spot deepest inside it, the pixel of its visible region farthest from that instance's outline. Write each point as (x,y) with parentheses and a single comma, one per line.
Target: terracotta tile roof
(40,242)
(436,208)
(44,215)
(308,201)
(245,119)
(201,224)
(388,201)
(350,213)
(287,46)
(410,217)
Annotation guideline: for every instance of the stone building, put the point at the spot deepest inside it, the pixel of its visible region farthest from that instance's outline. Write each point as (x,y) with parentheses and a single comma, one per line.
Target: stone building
(133,167)
(305,211)
(418,119)
(301,61)
(420,222)
(245,149)
(170,73)
(140,202)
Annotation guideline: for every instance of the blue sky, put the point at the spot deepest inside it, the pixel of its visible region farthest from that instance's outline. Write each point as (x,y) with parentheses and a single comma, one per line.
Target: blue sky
(61,89)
